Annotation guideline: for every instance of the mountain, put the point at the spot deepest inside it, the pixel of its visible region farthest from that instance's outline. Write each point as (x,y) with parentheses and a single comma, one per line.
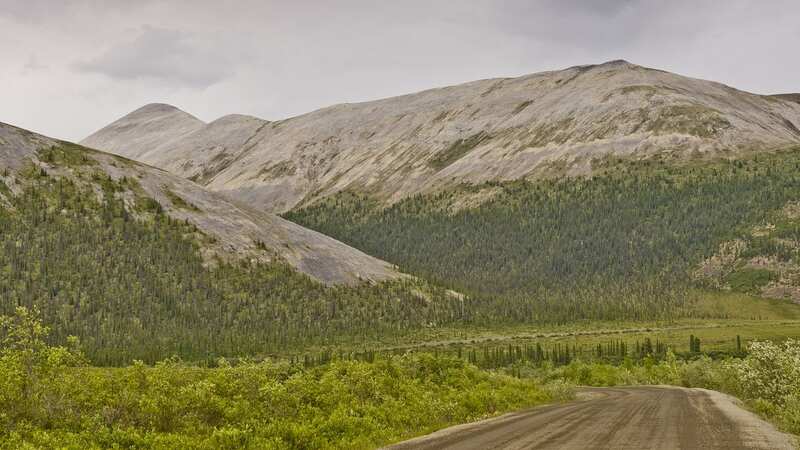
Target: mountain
(147,128)
(559,122)
(138,263)
(638,240)
(237,231)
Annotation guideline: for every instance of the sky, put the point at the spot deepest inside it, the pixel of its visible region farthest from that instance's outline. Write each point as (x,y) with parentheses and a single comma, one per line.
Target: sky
(72,66)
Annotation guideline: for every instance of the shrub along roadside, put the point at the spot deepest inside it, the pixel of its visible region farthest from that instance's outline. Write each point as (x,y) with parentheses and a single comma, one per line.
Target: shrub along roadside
(49,400)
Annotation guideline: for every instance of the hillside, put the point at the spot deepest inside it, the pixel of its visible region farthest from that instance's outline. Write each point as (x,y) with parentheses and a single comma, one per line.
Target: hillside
(763,260)
(140,264)
(622,244)
(556,122)
(237,231)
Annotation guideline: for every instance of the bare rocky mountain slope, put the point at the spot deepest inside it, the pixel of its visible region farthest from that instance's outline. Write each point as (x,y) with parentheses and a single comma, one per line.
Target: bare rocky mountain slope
(789,97)
(236,231)
(496,129)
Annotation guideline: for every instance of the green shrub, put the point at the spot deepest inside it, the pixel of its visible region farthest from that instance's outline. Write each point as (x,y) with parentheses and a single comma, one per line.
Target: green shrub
(47,399)
(749,280)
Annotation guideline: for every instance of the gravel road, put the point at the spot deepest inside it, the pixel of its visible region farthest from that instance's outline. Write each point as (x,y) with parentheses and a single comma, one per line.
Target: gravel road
(652,417)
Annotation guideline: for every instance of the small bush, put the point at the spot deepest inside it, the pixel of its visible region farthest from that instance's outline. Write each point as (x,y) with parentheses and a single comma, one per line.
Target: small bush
(749,280)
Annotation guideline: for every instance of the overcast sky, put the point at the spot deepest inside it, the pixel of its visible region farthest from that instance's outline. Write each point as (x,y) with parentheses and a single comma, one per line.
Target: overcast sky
(71,67)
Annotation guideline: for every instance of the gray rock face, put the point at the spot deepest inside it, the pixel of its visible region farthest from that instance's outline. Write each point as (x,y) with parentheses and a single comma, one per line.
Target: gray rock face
(237,230)
(497,129)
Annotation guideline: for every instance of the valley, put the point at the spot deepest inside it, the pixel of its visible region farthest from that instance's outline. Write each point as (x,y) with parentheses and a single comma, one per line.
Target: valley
(367,273)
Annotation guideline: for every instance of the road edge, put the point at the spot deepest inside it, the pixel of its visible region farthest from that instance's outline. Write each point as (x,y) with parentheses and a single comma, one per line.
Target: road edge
(737,410)
(756,427)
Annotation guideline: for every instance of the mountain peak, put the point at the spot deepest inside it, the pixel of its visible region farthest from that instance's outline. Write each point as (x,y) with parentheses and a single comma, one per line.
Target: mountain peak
(159,109)
(144,130)
(617,62)
(236,118)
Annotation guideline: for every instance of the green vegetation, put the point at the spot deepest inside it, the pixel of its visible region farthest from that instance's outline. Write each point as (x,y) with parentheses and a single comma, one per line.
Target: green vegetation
(749,280)
(280,169)
(178,201)
(618,246)
(588,281)
(102,261)
(695,120)
(67,155)
(765,261)
(546,133)
(457,150)
(130,282)
(49,400)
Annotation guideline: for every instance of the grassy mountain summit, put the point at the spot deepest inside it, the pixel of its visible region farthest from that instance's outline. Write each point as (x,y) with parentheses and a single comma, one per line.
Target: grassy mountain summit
(504,129)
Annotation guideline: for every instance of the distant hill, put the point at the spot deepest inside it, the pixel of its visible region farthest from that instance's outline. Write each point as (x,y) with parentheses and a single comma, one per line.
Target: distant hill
(558,122)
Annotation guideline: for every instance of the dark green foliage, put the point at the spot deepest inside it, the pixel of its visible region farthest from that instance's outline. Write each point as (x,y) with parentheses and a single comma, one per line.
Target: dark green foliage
(619,245)
(49,400)
(694,344)
(178,201)
(150,205)
(749,280)
(66,155)
(136,287)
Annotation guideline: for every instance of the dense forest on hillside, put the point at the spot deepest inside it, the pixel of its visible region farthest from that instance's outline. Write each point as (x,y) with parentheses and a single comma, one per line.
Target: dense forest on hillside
(621,244)
(131,283)
(104,262)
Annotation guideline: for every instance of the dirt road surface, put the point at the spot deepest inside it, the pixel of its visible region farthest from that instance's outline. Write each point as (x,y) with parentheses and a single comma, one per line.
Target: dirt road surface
(617,418)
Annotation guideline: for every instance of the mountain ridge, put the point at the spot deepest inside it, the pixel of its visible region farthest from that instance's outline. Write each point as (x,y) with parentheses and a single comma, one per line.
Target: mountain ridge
(487,130)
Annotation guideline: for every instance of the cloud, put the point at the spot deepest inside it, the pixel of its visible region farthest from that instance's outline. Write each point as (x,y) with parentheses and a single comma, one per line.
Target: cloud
(275,58)
(601,24)
(169,56)
(33,65)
